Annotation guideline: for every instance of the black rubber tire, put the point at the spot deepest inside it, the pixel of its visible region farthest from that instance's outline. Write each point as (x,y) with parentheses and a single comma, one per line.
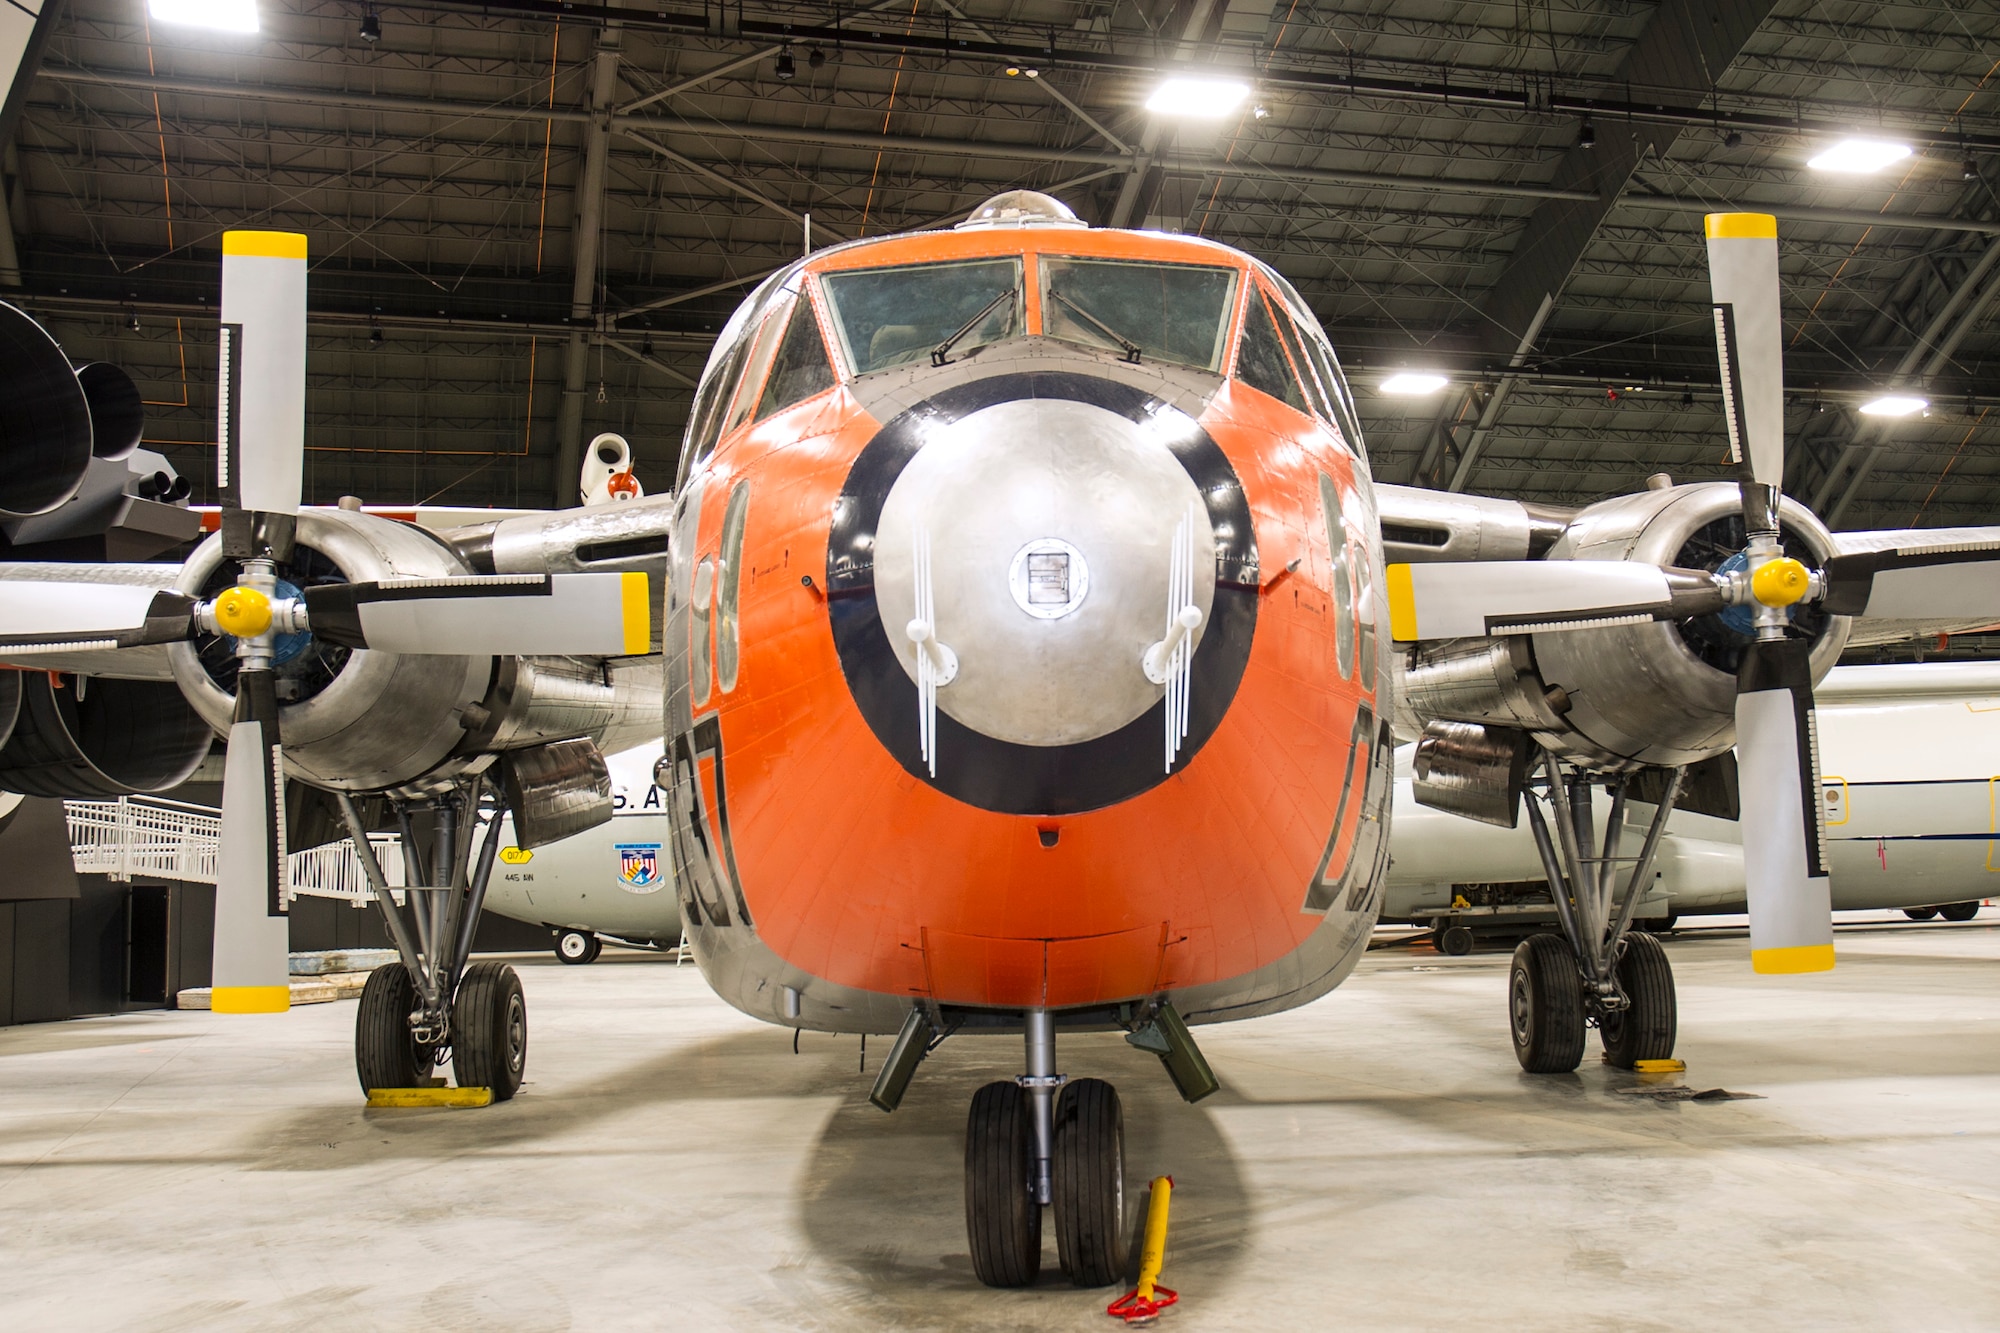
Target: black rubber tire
(1959,911)
(385,1054)
(1646,1030)
(1455,940)
(1545,1006)
(578,946)
(1002,1220)
(1920,913)
(489,1030)
(1092,1241)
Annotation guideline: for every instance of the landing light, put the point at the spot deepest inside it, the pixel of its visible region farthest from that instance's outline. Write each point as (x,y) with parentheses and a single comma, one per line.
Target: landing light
(1204,99)
(1894,405)
(1414,382)
(1860,156)
(222,15)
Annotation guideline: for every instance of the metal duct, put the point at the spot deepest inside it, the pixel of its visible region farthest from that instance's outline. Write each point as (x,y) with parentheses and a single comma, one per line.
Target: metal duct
(555,790)
(1470,769)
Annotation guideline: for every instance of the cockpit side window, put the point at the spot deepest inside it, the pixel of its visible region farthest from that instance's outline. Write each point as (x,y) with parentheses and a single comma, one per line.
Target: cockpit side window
(894,316)
(763,347)
(1260,358)
(1308,375)
(801,369)
(1156,312)
(710,402)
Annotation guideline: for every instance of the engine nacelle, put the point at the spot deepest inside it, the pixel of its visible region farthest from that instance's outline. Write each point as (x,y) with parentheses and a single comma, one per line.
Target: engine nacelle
(86,739)
(372,721)
(1631,695)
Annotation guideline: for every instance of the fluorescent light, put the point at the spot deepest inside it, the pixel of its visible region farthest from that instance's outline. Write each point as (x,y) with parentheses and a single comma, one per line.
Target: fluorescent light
(1894,405)
(222,15)
(1206,99)
(1859,156)
(1414,382)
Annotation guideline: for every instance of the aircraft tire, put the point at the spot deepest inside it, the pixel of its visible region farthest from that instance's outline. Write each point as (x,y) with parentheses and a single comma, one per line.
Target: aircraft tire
(578,946)
(1959,911)
(1920,913)
(1089,1168)
(1002,1220)
(1647,1030)
(489,1030)
(1545,1006)
(385,1054)
(1455,940)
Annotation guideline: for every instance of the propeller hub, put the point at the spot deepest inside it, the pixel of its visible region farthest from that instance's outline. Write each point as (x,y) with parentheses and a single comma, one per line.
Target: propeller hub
(1781,582)
(243,613)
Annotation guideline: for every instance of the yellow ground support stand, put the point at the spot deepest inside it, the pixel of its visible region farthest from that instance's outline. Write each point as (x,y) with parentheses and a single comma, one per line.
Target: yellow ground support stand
(381,1097)
(1142,1305)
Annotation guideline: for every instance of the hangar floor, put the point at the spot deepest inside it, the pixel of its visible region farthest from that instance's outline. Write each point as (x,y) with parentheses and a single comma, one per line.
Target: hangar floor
(1375,1161)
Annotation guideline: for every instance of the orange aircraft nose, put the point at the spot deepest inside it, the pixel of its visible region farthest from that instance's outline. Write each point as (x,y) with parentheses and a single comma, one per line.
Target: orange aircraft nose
(1053,572)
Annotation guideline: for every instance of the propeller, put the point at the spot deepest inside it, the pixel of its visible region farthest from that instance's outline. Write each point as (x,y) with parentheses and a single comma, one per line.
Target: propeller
(1907,578)
(260,420)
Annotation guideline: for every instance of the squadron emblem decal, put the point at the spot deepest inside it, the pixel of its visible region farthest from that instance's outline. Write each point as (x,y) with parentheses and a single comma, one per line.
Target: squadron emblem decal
(639,866)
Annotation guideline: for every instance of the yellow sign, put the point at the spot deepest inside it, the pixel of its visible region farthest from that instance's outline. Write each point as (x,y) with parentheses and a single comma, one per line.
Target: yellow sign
(516,856)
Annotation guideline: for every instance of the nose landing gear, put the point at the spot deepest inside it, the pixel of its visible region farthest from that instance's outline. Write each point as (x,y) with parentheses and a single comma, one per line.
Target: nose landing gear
(1044,1141)
(1597,970)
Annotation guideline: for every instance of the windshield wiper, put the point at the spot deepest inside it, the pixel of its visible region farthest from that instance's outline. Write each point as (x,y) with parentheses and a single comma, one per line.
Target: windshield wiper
(941,354)
(1105,330)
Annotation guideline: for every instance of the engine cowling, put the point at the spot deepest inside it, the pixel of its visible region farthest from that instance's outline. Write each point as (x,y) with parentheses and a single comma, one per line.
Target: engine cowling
(354,720)
(85,739)
(1631,695)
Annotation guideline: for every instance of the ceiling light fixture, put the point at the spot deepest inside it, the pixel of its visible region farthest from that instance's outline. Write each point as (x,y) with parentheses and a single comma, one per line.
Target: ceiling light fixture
(1414,382)
(371,26)
(1856,157)
(815,57)
(221,15)
(1732,140)
(1587,136)
(1894,405)
(787,68)
(1198,98)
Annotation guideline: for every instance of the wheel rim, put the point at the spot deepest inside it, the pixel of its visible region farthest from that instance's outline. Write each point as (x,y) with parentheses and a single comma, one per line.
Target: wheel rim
(1521,1004)
(517,1033)
(574,946)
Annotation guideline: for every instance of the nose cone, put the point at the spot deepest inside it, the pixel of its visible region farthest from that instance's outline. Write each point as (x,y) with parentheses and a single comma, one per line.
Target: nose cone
(1053,528)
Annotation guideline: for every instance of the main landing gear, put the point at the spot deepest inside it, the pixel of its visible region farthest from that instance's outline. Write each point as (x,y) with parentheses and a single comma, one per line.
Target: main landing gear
(1045,1140)
(429,1006)
(1598,972)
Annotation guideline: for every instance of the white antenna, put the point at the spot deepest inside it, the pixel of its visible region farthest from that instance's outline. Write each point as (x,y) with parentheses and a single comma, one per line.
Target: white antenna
(809,235)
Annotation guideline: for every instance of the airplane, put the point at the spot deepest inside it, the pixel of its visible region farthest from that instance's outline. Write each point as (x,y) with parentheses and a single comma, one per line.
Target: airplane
(1030,649)
(1911,757)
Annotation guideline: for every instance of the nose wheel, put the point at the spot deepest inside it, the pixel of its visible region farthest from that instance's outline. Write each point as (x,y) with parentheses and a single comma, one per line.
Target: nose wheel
(578,946)
(1027,1148)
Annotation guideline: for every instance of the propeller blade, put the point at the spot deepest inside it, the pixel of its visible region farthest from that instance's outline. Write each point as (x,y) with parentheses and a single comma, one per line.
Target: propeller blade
(38,616)
(1468,600)
(583,615)
(252,932)
(1784,838)
(1920,580)
(261,399)
(1749,339)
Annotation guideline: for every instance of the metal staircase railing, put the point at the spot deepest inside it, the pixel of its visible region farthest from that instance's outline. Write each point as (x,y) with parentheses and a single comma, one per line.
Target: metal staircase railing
(147,836)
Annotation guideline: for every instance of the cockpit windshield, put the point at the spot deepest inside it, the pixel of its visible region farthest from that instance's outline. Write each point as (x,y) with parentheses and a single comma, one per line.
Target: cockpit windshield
(894,316)
(1150,312)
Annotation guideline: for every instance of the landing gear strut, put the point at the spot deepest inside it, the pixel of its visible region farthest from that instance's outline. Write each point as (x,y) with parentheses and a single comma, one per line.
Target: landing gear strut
(1608,975)
(428,1003)
(1045,1141)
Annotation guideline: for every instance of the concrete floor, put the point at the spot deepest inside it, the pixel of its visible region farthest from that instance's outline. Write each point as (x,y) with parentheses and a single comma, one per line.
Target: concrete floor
(1375,1161)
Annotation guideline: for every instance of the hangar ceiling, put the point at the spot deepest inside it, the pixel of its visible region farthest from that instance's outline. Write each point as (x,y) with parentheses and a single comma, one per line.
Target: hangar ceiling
(528,219)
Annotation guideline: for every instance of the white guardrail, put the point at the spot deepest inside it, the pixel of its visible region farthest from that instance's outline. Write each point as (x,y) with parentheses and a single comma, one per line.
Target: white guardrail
(145,836)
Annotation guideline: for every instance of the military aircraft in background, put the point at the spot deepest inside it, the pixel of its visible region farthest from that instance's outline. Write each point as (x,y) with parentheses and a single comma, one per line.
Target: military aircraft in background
(1029,651)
